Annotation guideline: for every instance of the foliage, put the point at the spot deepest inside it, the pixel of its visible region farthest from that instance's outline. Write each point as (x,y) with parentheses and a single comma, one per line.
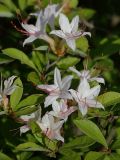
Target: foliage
(37,120)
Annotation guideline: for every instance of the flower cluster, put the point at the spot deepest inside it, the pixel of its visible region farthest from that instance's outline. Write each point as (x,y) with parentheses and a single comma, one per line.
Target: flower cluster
(59,94)
(69,32)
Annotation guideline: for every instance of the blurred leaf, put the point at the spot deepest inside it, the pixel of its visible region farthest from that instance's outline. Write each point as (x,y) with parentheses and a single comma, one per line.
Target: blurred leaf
(31,100)
(4,157)
(5,59)
(22,4)
(19,55)
(70,154)
(114,156)
(5,12)
(94,155)
(34,78)
(24,155)
(36,59)
(109,98)
(36,131)
(26,110)
(79,142)
(17,94)
(82,44)
(73,3)
(30,146)
(9,4)
(106,47)
(91,129)
(41,48)
(68,61)
(51,144)
(116,144)
(86,13)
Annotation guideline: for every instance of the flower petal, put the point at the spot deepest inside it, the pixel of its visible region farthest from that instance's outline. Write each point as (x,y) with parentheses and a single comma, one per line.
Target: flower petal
(57,78)
(74,95)
(75,71)
(93,92)
(83,108)
(94,103)
(47,88)
(30,28)
(66,82)
(59,33)
(74,24)
(71,43)
(86,33)
(24,129)
(50,99)
(84,88)
(29,40)
(64,24)
(99,80)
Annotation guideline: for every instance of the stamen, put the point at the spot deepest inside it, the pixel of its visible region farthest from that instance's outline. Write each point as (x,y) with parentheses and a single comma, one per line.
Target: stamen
(19,30)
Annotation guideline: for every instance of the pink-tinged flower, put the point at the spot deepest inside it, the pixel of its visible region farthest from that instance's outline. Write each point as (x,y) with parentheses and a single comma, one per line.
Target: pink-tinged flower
(85,74)
(27,118)
(51,128)
(58,90)
(61,110)
(36,31)
(8,89)
(69,31)
(49,14)
(86,96)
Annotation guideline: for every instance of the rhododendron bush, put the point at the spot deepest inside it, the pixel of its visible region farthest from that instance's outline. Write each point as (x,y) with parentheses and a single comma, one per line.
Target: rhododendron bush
(59,90)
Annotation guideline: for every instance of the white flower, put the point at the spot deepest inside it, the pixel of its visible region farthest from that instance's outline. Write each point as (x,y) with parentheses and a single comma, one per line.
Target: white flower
(8,89)
(69,31)
(61,110)
(85,74)
(49,14)
(35,31)
(51,128)
(26,118)
(58,90)
(86,96)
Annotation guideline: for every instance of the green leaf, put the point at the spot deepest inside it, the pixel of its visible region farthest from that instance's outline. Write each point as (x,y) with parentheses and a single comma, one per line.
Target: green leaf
(68,61)
(4,157)
(94,155)
(116,144)
(26,110)
(22,4)
(114,156)
(73,3)
(34,78)
(51,144)
(36,59)
(82,44)
(106,47)
(31,100)
(109,98)
(91,129)
(36,131)
(86,13)
(5,12)
(5,59)
(17,94)
(79,142)
(24,155)
(70,154)
(19,55)
(10,5)
(30,146)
